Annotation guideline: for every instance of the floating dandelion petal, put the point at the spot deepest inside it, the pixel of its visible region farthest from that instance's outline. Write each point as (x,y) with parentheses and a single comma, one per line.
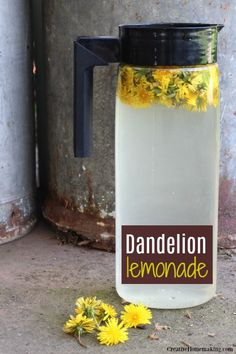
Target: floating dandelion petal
(193,88)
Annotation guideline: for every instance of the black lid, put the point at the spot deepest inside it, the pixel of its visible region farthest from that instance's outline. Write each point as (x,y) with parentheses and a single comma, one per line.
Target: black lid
(169,44)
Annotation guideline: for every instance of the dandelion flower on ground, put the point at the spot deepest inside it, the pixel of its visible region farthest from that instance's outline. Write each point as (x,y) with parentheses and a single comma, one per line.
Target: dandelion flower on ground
(79,323)
(88,306)
(135,315)
(106,311)
(112,333)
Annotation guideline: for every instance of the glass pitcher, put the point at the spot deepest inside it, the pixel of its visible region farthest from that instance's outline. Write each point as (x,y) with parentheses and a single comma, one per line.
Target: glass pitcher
(166,157)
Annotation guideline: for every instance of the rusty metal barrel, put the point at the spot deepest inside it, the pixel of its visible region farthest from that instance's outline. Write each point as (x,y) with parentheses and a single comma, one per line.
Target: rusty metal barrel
(80,192)
(17,200)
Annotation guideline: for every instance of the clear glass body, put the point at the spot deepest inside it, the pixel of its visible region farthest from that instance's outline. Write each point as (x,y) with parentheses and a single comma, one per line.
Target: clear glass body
(167,164)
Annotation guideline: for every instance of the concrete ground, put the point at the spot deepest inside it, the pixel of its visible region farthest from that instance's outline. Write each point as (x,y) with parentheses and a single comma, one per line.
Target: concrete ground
(40,279)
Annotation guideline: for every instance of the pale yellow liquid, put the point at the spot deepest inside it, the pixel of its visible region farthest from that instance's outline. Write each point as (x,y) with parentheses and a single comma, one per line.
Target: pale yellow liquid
(167,163)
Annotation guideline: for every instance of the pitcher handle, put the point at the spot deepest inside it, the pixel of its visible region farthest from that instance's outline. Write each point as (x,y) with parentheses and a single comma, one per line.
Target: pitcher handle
(88,52)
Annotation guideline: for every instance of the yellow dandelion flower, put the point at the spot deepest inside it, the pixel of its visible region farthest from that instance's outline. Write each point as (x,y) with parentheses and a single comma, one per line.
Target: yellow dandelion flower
(195,80)
(182,94)
(88,306)
(144,82)
(112,333)
(79,323)
(123,93)
(162,80)
(127,76)
(192,100)
(179,82)
(106,311)
(201,103)
(213,91)
(214,73)
(125,85)
(135,315)
(142,97)
(163,75)
(192,89)
(165,83)
(165,101)
(216,95)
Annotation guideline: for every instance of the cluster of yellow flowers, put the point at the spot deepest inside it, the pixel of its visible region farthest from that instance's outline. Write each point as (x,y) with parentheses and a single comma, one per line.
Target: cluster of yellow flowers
(193,88)
(91,314)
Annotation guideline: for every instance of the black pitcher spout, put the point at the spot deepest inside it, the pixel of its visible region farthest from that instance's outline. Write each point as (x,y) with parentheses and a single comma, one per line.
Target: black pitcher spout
(220,27)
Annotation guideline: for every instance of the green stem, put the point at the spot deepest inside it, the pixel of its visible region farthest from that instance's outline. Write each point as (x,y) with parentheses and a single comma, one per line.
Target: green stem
(96,322)
(79,340)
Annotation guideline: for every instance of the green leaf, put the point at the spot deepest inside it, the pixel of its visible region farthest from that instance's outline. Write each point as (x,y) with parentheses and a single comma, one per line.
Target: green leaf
(142,72)
(156,90)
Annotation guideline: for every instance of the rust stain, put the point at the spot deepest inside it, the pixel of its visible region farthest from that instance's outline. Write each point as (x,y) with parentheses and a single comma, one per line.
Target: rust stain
(16,216)
(91,207)
(95,231)
(17,225)
(87,225)
(89,204)
(11,233)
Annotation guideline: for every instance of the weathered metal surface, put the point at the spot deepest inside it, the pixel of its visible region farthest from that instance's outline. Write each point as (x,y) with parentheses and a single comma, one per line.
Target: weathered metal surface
(17,207)
(68,177)
(17,219)
(91,228)
(227,215)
